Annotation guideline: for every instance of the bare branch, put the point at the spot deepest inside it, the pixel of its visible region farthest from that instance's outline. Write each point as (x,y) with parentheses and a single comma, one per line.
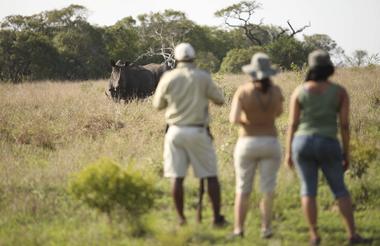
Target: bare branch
(294,32)
(241,15)
(166,53)
(282,32)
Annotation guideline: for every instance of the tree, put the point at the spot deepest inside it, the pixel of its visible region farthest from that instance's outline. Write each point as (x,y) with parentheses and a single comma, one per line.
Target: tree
(207,61)
(338,56)
(38,43)
(23,23)
(83,51)
(47,22)
(241,15)
(320,41)
(42,58)
(373,59)
(66,17)
(160,32)
(362,58)
(213,43)
(122,40)
(26,55)
(287,51)
(61,44)
(236,58)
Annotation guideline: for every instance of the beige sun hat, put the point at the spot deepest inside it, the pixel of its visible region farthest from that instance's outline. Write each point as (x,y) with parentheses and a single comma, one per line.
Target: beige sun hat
(260,67)
(184,52)
(319,58)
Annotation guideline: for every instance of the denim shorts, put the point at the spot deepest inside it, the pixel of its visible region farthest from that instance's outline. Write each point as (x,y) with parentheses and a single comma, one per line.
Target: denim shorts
(313,152)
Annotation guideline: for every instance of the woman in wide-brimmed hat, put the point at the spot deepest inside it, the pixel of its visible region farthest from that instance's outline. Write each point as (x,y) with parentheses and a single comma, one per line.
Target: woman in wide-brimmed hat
(312,142)
(255,106)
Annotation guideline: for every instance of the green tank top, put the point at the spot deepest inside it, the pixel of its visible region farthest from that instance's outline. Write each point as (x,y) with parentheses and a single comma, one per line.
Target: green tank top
(319,112)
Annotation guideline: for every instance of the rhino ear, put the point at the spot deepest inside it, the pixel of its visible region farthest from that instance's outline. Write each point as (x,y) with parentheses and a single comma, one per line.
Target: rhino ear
(113,64)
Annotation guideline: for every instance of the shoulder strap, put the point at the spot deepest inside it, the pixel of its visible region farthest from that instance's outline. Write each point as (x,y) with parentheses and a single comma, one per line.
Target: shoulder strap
(301,94)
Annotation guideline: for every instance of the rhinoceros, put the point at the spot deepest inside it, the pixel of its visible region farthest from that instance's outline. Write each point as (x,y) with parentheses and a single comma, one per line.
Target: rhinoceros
(133,81)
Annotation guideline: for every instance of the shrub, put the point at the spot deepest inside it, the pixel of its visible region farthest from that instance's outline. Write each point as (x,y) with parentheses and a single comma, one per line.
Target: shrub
(362,155)
(207,61)
(236,58)
(287,53)
(107,186)
(364,158)
(375,100)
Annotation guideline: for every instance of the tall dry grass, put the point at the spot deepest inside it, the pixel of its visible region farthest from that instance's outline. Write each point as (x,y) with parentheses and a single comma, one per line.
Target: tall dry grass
(50,130)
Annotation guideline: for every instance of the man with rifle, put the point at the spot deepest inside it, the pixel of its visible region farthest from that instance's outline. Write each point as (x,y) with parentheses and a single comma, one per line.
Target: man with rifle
(184,93)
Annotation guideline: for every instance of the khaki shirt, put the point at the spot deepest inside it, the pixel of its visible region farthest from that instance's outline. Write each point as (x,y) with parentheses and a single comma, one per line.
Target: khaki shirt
(256,110)
(184,93)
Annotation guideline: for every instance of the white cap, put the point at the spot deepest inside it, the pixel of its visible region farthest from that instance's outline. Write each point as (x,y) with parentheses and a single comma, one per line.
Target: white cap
(184,52)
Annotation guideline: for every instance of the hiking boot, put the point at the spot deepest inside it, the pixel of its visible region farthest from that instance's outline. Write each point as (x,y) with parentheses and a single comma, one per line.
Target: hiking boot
(220,222)
(266,233)
(182,222)
(235,236)
(359,240)
(315,241)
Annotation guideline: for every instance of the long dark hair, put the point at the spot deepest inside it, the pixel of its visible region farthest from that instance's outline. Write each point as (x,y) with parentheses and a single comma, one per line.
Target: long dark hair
(266,83)
(319,73)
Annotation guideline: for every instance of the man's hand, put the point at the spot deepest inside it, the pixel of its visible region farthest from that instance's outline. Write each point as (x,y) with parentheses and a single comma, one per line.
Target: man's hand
(345,162)
(289,161)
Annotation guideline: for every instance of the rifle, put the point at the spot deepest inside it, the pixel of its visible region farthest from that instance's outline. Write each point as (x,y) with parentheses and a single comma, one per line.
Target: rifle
(200,199)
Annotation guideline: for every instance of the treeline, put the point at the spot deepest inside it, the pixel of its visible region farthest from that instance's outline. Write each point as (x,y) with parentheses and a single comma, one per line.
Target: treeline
(63,45)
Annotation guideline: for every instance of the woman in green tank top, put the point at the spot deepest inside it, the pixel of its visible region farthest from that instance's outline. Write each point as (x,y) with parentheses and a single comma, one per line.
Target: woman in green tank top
(312,143)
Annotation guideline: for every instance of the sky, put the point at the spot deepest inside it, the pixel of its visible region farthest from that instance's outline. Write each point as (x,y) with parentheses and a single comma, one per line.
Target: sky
(353,24)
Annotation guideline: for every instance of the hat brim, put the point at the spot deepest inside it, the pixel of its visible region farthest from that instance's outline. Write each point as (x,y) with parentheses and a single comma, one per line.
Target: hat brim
(259,74)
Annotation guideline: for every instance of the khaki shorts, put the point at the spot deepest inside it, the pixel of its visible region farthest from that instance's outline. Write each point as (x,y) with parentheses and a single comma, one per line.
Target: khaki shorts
(189,145)
(252,153)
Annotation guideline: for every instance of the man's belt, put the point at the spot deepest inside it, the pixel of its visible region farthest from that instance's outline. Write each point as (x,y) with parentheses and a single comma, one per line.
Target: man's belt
(195,125)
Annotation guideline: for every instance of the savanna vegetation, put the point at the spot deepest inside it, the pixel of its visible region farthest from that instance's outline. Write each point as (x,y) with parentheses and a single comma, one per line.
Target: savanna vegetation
(62,45)
(67,155)
(79,169)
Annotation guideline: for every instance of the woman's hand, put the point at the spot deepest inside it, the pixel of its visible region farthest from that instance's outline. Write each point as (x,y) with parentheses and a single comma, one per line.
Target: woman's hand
(344,121)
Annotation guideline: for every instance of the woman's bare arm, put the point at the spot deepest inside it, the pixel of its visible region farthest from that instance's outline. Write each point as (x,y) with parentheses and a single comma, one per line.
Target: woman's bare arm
(294,115)
(236,110)
(344,123)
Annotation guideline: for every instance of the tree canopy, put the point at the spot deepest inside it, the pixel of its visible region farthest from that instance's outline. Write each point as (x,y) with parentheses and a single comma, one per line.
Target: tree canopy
(62,44)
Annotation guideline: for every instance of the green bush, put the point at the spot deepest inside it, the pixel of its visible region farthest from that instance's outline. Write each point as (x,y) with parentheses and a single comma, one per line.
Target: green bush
(236,58)
(364,190)
(362,156)
(107,186)
(288,53)
(207,61)
(375,100)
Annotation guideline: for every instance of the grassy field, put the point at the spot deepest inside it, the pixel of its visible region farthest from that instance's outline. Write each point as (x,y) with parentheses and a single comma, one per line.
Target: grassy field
(51,130)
